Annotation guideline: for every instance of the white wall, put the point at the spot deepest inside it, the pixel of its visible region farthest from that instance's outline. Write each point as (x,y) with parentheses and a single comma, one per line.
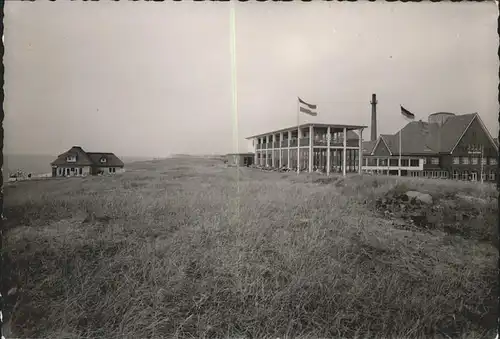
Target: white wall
(250,146)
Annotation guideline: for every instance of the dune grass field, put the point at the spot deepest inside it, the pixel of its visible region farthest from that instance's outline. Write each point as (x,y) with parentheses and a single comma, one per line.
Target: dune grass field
(189,248)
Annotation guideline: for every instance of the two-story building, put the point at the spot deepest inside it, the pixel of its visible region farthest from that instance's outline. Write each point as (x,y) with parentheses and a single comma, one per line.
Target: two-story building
(311,147)
(446,146)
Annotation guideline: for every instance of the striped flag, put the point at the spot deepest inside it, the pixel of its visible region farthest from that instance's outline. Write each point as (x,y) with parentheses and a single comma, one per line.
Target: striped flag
(306,108)
(407,114)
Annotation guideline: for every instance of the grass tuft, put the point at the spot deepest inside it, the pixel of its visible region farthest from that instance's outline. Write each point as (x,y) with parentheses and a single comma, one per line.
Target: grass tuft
(182,248)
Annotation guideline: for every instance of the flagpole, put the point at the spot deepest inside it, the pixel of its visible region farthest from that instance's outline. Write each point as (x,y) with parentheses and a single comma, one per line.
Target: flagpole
(482,154)
(400,148)
(298,137)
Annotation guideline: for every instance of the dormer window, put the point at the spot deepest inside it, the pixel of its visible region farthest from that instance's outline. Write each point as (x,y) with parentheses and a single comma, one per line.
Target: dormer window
(103,160)
(71,158)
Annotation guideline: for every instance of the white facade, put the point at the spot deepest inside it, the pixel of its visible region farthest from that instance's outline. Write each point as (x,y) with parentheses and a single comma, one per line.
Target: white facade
(384,164)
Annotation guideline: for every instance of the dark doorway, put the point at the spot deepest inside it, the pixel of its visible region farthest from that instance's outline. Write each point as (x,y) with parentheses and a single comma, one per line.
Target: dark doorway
(247,161)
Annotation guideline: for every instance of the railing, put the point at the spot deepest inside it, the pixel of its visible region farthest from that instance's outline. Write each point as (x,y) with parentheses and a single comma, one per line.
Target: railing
(304,141)
(336,142)
(293,143)
(320,142)
(284,143)
(276,144)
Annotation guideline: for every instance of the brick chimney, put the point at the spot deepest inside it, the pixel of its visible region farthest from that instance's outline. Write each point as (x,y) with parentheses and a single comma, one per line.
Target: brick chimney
(374,118)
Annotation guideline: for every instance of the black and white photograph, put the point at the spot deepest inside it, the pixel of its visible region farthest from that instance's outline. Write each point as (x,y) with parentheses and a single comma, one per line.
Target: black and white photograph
(250,170)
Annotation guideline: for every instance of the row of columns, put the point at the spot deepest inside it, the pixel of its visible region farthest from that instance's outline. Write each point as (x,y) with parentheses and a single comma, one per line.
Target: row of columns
(311,146)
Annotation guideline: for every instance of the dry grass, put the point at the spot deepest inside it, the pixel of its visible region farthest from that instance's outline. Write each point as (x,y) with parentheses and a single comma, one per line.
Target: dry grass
(186,248)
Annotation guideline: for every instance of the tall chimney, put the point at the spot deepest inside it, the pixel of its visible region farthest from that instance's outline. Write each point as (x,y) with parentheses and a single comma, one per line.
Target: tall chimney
(374,117)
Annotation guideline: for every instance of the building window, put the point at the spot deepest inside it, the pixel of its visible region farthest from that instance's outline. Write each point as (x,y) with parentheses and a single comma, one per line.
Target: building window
(445,175)
(484,176)
(103,160)
(465,160)
(405,162)
(109,169)
(492,175)
(365,161)
(435,161)
(435,174)
(456,160)
(393,162)
(382,162)
(414,163)
(484,161)
(80,170)
(425,161)
(456,175)
(71,158)
(372,162)
(465,175)
(475,161)
(493,161)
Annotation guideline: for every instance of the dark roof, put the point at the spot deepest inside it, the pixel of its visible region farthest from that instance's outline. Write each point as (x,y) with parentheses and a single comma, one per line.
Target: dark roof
(82,159)
(368,146)
(111,159)
(294,128)
(419,137)
(87,158)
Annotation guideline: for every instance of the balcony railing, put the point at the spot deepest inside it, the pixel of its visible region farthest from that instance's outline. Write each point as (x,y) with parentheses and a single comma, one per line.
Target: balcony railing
(320,142)
(293,143)
(284,143)
(276,144)
(337,142)
(304,141)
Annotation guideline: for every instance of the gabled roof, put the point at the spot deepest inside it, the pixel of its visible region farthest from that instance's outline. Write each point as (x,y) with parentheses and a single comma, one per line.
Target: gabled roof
(419,137)
(368,146)
(82,159)
(87,158)
(111,159)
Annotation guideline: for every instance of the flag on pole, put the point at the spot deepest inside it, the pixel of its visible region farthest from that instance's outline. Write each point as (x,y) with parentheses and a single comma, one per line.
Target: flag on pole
(306,108)
(407,114)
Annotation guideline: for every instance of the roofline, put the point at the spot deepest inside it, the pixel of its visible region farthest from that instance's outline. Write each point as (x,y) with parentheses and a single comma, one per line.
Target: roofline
(486,130)
(385,143)
(349,127)
(376,144)
(467,128)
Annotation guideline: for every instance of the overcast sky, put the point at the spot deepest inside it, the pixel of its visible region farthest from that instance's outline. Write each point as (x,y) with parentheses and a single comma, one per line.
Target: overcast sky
(144,78)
